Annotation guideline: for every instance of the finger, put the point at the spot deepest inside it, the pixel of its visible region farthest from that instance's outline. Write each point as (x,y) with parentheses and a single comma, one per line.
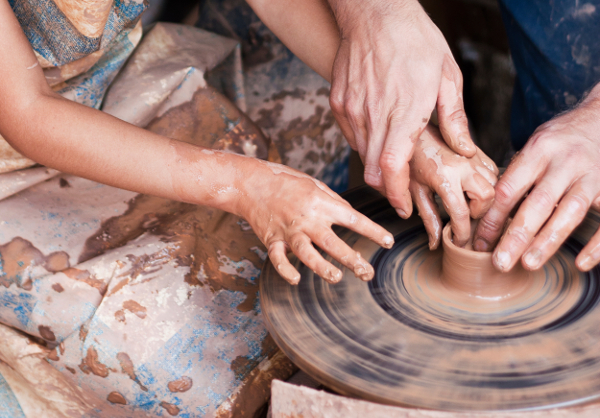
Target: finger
(531,215)
(488,163)
(354,109)
(397,152)
(589,257)
(451,110)
(376,131)
(329,242)
(304,250)
(457,208)
(512,186)
(337,96)
(359,223)
(569,213)
(480,192)
(278,256)
(429,212)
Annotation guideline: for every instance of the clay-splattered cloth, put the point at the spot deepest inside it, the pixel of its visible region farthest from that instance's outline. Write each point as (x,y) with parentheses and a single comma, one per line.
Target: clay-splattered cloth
(555,49)
(144,306)
(81,46)
(285,98)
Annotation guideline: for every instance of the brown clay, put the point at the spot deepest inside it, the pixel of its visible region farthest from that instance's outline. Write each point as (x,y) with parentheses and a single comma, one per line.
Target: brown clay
(473,274)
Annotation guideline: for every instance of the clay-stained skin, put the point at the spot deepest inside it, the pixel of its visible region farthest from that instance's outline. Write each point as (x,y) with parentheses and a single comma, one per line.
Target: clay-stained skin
(91,364)
(127,368)
(437,169)
(19,256)
(183,384)
(173,410)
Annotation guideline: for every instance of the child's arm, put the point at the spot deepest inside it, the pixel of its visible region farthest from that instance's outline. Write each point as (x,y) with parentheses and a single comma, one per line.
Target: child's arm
(435,168)
(287,209)
(306,27)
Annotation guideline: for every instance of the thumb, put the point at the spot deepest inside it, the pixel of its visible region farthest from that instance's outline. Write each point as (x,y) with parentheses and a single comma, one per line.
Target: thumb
(454,125)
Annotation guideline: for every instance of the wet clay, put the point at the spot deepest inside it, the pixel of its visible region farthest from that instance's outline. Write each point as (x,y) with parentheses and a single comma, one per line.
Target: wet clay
(443,329)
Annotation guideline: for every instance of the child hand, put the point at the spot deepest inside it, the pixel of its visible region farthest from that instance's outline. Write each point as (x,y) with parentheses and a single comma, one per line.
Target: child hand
(436,168)
(290,210)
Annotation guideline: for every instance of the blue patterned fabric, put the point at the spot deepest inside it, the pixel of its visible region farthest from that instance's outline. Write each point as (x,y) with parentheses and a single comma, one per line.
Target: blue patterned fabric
(9,406)
(54,37)
(57,40)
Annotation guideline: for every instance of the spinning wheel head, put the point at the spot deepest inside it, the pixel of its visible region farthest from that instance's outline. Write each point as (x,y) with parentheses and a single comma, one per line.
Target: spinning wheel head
(409,338)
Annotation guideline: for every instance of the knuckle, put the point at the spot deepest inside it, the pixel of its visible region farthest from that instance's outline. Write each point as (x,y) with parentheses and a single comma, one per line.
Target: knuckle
(353,108)
(577,205)
(328,240)
(336,101)
(519,236)
(504,193)
(372,176)
(297,242)
(461,213)
(541,198)
(488,193)
(388,162)
(457,116)
(489,225)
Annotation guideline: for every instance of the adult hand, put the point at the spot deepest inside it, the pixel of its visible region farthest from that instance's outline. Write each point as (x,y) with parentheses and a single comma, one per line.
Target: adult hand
(560,168)
(392,67)
(435,168)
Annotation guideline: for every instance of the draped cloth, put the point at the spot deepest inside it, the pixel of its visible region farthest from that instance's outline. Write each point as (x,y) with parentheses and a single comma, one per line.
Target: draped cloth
(119,304)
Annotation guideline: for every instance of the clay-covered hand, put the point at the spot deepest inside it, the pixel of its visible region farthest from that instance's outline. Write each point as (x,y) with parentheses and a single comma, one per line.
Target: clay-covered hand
(560,168)
(435,168)
(289,211)
(392,67)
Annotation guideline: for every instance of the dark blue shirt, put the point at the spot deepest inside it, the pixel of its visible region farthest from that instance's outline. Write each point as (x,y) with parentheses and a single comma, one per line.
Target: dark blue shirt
(555,46)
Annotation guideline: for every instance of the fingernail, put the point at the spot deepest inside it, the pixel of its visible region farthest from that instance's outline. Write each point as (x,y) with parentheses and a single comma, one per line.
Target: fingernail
(388,241)
(532,258)
(586,263)
(335,276)
(502,260)
(464,142)
(480,245)
(401,213)
(364,274)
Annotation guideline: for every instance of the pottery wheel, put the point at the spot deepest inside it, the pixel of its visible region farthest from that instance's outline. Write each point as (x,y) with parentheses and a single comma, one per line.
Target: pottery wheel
(397,340)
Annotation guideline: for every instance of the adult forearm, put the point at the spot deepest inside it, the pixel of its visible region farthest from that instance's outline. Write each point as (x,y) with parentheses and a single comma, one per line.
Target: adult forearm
(306,27)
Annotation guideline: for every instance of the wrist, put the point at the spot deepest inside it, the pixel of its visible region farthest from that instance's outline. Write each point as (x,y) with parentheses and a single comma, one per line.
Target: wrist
(351,16)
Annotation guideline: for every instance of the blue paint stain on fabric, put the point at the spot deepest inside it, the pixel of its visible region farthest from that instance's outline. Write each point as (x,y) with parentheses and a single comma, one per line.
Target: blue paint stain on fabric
(556,53)
(9,405)
(89,88)
(21,304)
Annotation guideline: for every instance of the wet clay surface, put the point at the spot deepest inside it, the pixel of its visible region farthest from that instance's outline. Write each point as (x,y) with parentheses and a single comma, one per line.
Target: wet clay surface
(440,329)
